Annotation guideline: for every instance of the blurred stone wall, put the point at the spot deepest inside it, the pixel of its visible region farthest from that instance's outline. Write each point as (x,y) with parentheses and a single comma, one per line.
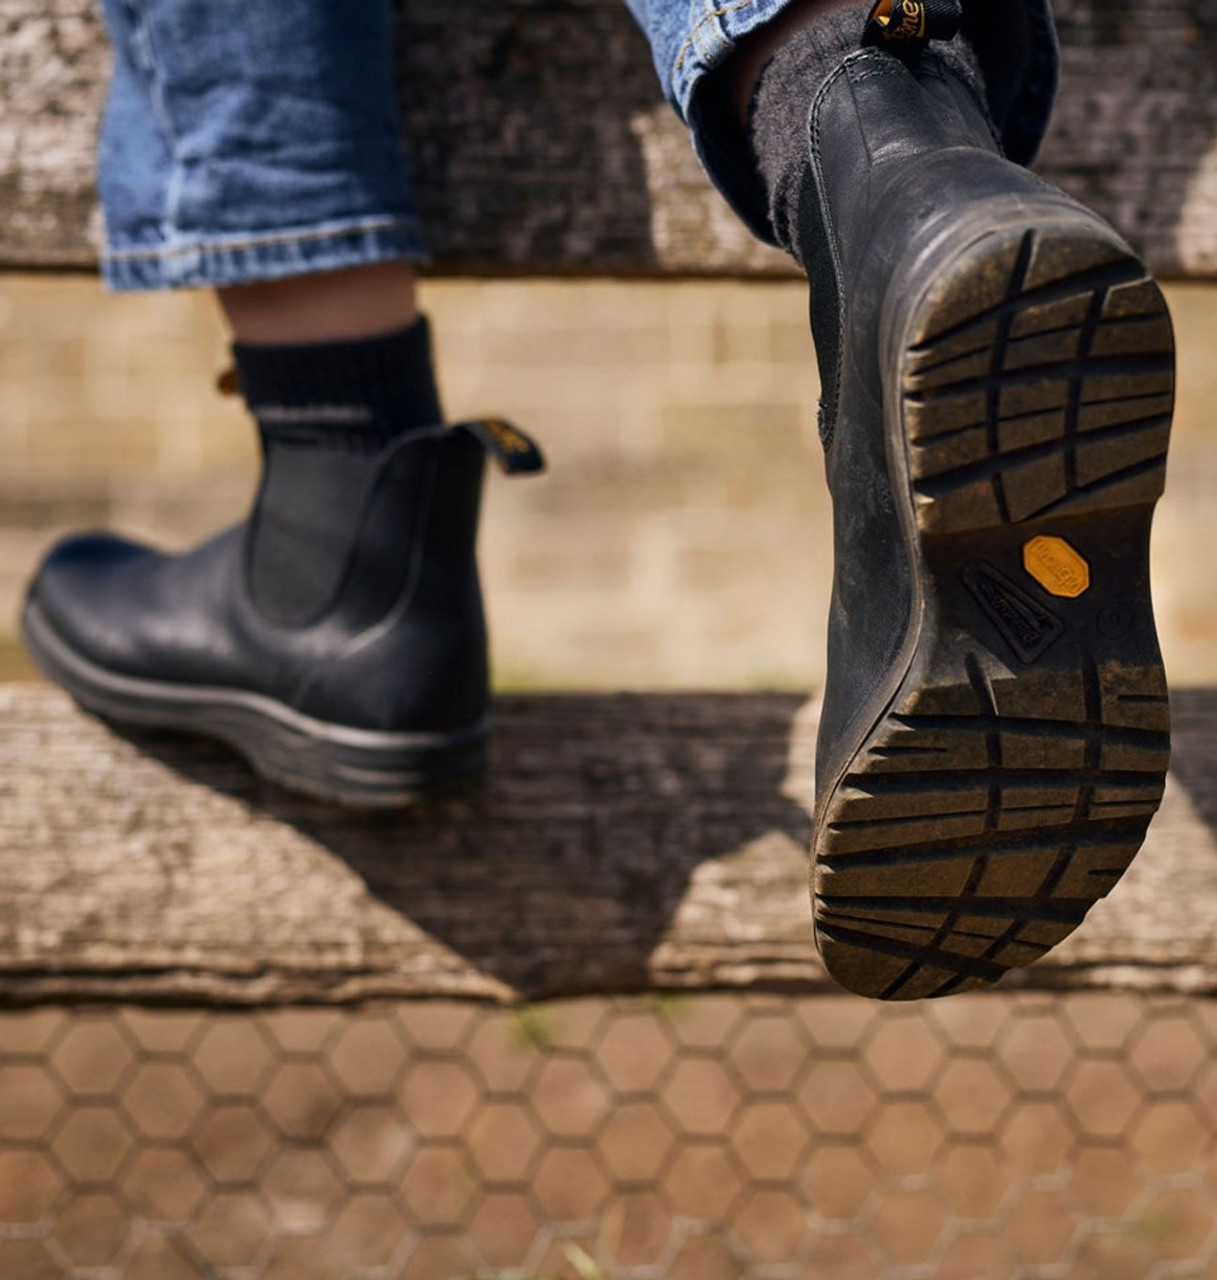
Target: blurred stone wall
(681,538)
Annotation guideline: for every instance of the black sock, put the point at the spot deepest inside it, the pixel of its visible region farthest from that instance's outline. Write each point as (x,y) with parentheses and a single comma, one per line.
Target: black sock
(378,386)
(324,410)
(782,98)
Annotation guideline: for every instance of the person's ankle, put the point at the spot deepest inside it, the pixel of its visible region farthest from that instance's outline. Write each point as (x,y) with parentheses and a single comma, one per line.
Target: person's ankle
(755,49)
(783,94)
(325,306)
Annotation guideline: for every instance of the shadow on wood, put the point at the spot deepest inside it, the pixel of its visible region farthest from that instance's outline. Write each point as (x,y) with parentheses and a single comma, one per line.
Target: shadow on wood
(623,843)
(1194,751)
(567,869)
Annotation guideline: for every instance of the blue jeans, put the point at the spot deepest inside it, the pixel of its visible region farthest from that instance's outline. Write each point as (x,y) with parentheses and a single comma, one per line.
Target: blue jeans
(249,140)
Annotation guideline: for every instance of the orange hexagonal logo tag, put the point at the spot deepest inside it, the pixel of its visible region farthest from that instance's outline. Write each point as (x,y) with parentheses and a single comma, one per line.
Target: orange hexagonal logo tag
(1056,566)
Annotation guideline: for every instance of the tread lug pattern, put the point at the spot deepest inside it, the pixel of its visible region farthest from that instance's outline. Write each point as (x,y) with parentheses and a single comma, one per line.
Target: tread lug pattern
(1063,377)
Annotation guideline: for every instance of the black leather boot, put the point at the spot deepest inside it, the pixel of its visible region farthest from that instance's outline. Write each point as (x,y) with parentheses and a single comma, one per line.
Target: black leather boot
(998,386)
(377,697)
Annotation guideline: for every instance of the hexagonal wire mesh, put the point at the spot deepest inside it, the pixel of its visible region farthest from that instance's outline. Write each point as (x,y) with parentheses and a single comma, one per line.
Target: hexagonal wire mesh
(712,1137)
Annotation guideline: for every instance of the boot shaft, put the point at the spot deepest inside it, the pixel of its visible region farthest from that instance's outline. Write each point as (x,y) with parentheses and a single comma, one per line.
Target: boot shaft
(897,150)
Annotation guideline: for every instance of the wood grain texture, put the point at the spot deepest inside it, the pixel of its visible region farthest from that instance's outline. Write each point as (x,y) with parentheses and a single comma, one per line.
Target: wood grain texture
(623,843)
(540,144)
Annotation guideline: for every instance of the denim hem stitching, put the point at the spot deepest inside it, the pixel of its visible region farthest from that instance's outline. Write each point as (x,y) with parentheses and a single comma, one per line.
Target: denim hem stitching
(268,241)
(711,16)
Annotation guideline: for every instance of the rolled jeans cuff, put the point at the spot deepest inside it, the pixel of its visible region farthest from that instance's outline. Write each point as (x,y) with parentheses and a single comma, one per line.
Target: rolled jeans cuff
(236,259)
(250,140)
(699,96)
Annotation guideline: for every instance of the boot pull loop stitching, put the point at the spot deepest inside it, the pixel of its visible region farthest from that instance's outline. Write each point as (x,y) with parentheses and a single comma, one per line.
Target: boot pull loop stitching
(516,452)
(905,27)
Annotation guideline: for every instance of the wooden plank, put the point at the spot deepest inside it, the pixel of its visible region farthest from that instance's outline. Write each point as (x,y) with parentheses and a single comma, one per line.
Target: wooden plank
(540,144)
(623,843)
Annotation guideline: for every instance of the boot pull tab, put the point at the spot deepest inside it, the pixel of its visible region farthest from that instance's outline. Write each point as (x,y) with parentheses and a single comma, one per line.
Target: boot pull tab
(515,452)
(905,27)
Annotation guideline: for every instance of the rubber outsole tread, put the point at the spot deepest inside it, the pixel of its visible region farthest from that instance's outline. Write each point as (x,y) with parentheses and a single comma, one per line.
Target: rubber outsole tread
(1100,834)
(1108,323)
(1009,781)
(1034,375)
(935,484)
(1108,276)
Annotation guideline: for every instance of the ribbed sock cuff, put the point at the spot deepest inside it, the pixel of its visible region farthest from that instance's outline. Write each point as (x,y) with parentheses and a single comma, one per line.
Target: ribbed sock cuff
(389,378)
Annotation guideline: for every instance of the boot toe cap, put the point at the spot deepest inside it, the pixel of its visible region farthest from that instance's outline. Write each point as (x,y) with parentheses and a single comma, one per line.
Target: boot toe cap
(83,589)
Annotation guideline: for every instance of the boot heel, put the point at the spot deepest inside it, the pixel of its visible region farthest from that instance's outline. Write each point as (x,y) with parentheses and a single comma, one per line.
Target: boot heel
(361,770)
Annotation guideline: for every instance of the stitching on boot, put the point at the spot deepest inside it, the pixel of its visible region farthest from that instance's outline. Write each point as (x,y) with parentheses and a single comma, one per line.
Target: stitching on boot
(830,397)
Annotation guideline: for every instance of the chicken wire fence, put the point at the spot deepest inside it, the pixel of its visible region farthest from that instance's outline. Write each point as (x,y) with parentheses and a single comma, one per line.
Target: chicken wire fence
(715,1137)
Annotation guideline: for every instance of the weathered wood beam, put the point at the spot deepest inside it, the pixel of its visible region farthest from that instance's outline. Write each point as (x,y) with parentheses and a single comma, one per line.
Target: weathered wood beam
(623,843)
(540,144)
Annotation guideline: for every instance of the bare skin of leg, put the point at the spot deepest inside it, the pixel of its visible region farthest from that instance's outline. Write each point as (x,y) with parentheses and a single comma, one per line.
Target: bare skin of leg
(325,306)
(756,49)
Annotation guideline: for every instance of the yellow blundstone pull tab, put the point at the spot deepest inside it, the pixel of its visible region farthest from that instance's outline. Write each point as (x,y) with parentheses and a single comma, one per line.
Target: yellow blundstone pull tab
(515,452)
(905,27)
(1057,567)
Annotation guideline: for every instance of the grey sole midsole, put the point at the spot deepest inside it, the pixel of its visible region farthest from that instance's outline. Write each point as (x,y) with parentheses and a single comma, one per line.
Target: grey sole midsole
(333,761)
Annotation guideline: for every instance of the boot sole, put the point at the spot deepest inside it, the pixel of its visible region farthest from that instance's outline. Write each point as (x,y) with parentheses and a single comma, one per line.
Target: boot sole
(358,768)
(1010,766)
